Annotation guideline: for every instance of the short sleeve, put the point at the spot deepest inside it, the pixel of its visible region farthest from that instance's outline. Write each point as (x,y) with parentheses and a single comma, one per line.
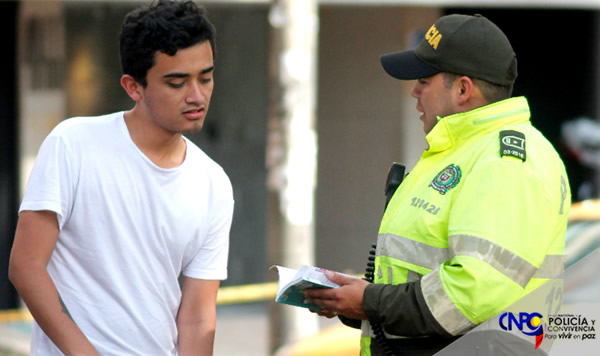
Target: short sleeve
(51,184)
(210,260)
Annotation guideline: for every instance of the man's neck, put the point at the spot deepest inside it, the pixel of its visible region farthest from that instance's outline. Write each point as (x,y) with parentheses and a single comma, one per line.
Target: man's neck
(165,149)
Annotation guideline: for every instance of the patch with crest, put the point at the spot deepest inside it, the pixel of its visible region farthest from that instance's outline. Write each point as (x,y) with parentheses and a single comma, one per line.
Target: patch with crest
(447,179)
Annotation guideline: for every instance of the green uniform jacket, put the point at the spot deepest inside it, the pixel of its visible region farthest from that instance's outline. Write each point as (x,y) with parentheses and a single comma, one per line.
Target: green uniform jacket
(478,223)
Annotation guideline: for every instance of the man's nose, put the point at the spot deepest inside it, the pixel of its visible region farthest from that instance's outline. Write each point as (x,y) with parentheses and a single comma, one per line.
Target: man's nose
(195,94)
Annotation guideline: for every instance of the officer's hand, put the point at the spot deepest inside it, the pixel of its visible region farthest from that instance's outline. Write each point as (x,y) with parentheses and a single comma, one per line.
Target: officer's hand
(345,300)
(324,312)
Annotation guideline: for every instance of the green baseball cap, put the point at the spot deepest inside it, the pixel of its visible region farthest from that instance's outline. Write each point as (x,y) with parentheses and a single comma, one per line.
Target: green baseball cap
(460,44)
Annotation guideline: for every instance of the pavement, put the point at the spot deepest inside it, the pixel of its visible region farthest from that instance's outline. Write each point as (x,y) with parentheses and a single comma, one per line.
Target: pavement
(241,330)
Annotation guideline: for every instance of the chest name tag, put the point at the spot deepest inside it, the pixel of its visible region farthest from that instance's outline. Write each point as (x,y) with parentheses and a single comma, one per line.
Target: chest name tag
(512,143)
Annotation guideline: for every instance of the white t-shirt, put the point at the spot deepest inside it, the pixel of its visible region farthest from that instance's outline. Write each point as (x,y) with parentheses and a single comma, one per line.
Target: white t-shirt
(127,230)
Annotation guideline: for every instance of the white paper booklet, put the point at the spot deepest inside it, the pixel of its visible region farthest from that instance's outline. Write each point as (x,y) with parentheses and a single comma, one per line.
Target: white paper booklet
(292,284)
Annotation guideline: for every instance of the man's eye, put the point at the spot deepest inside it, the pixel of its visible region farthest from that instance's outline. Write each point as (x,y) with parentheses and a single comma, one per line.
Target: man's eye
(175,85)
(205,80)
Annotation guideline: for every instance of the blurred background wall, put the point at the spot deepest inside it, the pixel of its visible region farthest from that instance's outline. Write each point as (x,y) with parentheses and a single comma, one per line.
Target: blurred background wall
(64,62)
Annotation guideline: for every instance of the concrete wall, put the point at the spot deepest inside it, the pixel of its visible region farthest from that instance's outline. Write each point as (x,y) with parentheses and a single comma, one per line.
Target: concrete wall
(366,121)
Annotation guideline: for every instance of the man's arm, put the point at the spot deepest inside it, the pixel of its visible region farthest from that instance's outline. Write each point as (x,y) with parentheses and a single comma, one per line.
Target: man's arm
(197,317)
(35,240)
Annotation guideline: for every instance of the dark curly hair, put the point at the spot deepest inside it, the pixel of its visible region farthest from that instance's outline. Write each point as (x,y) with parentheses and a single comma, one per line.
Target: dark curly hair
(164,27)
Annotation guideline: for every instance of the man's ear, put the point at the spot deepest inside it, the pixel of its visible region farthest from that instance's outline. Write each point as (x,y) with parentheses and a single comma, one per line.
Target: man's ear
(132,87)
(465,88)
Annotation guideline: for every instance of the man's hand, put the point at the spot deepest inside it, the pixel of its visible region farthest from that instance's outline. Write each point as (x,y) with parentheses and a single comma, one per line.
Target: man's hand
(345,300)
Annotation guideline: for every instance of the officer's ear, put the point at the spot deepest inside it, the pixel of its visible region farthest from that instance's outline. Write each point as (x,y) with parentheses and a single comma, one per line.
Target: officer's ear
(469,96)
(465,87)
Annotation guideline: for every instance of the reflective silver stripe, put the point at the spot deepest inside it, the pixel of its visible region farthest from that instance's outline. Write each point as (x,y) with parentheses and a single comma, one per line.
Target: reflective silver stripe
(510,264)
(440,305)
(367,331)
(412,276)
(411,251)
(552,267)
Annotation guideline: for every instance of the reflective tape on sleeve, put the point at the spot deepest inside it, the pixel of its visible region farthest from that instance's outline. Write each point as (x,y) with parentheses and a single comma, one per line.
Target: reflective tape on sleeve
(552,267)
(411,251)
(367,331)
(440,305)
(506,262)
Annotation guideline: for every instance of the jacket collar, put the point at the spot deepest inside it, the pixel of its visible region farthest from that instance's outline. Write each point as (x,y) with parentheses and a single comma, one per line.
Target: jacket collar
(457,128)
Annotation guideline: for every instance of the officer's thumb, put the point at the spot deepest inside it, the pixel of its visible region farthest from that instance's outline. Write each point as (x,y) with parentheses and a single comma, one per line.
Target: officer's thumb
(336,277)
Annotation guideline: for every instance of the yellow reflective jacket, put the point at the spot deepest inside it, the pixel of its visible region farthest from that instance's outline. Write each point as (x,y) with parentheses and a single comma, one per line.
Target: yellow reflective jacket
(480,220)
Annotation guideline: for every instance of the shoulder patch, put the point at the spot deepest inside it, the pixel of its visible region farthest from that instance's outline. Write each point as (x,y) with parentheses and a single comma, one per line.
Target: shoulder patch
(447,179)
(512,143)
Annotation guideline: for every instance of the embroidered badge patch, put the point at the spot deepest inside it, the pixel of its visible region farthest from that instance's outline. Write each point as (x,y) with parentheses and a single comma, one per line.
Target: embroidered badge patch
(512,143)
(447,179)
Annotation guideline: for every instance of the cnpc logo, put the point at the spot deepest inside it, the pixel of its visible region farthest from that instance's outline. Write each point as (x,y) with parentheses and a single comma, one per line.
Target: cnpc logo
(527,323)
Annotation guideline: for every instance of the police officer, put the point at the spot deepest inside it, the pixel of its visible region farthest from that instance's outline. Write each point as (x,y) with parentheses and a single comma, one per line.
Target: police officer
(481,219)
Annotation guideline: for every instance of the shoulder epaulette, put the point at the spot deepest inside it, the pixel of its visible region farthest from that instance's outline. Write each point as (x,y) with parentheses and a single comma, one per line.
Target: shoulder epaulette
(512,143)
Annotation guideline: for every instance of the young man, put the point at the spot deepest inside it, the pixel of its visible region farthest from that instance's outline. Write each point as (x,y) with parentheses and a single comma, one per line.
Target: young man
(481,219)
(118,206)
